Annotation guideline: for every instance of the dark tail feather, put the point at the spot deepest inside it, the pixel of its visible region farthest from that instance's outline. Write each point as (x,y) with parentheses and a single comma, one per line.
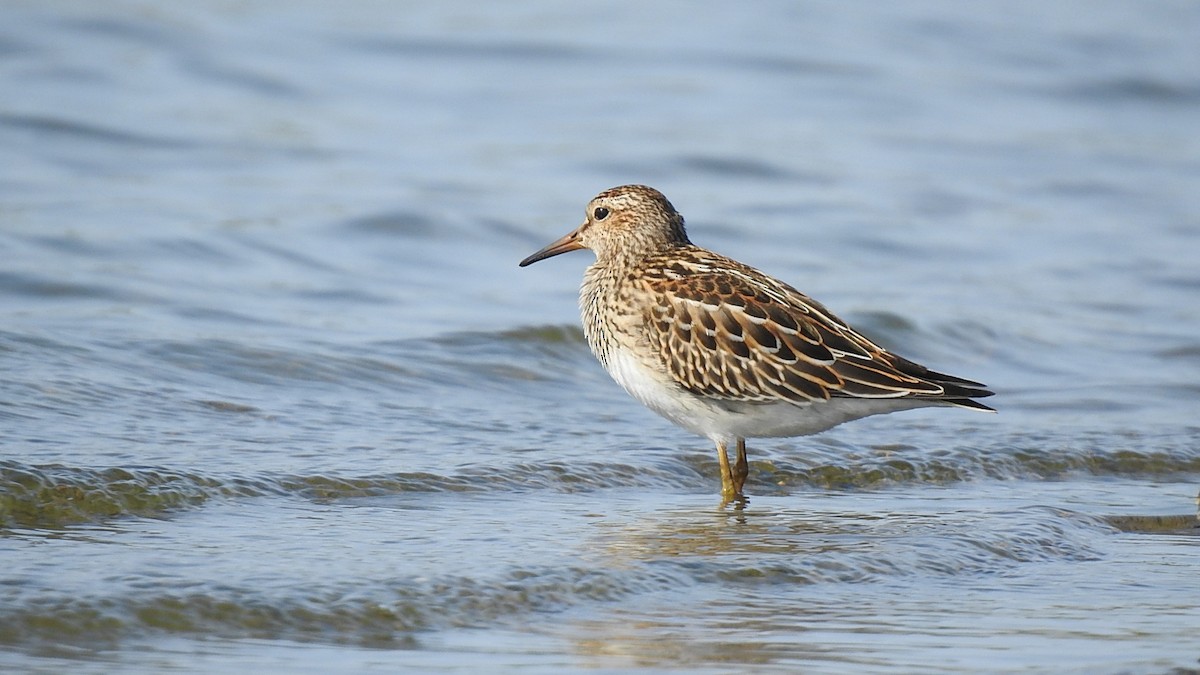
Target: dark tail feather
(968,403)
(958,391)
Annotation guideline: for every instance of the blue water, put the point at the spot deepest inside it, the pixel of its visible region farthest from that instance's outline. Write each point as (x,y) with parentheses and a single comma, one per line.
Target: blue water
(274,394)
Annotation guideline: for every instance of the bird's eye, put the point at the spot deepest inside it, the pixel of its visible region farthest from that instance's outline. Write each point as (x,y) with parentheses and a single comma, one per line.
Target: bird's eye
(600,213)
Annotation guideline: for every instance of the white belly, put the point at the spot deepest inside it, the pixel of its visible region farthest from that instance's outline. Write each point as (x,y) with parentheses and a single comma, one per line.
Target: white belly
(728,420)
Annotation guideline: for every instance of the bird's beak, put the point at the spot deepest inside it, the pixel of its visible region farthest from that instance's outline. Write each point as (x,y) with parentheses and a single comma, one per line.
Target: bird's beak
(569,242)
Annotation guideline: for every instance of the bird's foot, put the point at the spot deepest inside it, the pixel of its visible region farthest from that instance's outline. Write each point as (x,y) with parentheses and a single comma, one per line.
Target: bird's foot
(735,497)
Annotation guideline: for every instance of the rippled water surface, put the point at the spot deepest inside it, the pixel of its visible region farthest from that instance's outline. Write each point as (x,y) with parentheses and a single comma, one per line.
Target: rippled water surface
(274,394)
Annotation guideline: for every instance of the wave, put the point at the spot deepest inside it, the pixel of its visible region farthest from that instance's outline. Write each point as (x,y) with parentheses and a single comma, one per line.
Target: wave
(55,496)
(670,554)
(372,616)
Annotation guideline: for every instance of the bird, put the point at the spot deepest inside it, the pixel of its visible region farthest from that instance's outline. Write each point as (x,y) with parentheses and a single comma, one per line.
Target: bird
(723,350)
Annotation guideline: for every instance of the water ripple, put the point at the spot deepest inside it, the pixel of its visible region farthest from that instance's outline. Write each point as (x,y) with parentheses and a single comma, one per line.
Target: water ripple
(378,616)
(54,496)
(77,130)
(782,550)
(1148,90)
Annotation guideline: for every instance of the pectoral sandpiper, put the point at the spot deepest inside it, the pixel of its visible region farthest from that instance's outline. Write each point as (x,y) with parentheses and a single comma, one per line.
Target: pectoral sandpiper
(722,349)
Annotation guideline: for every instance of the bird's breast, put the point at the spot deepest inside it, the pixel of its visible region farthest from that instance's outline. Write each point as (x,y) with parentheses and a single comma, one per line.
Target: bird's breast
(610,319)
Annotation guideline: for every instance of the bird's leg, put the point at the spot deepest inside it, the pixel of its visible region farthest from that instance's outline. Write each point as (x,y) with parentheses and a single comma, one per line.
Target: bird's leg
(741,469)
(728,492)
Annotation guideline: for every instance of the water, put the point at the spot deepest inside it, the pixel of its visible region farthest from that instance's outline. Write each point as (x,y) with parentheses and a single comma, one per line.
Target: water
(275,395)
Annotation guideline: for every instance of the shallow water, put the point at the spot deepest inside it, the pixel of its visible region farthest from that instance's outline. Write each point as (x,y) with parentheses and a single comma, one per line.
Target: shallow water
(275,395)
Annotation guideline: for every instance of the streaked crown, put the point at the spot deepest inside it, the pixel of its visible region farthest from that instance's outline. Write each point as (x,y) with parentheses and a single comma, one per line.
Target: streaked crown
(631,222)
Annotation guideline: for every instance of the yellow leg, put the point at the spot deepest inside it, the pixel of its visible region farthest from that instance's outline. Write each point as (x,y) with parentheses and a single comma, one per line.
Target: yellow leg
(741,469)
(728,493)
(732,478)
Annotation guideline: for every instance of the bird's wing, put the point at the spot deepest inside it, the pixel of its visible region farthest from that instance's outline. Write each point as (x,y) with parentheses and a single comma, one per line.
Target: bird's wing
(727,331)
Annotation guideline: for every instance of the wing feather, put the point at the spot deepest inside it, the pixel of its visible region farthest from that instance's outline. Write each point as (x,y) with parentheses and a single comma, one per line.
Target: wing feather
(728,331)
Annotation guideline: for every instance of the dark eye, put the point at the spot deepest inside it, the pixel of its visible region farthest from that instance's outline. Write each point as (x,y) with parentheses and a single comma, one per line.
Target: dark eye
(600,213)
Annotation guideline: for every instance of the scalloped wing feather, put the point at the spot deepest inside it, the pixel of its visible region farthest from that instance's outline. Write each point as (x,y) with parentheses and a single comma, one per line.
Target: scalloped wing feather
(725,330)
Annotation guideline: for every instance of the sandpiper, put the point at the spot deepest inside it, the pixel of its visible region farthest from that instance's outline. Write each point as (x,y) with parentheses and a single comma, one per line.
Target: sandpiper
(722,349)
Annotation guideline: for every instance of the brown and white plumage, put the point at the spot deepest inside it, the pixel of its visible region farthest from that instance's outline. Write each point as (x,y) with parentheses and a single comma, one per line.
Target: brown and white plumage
(722,349)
